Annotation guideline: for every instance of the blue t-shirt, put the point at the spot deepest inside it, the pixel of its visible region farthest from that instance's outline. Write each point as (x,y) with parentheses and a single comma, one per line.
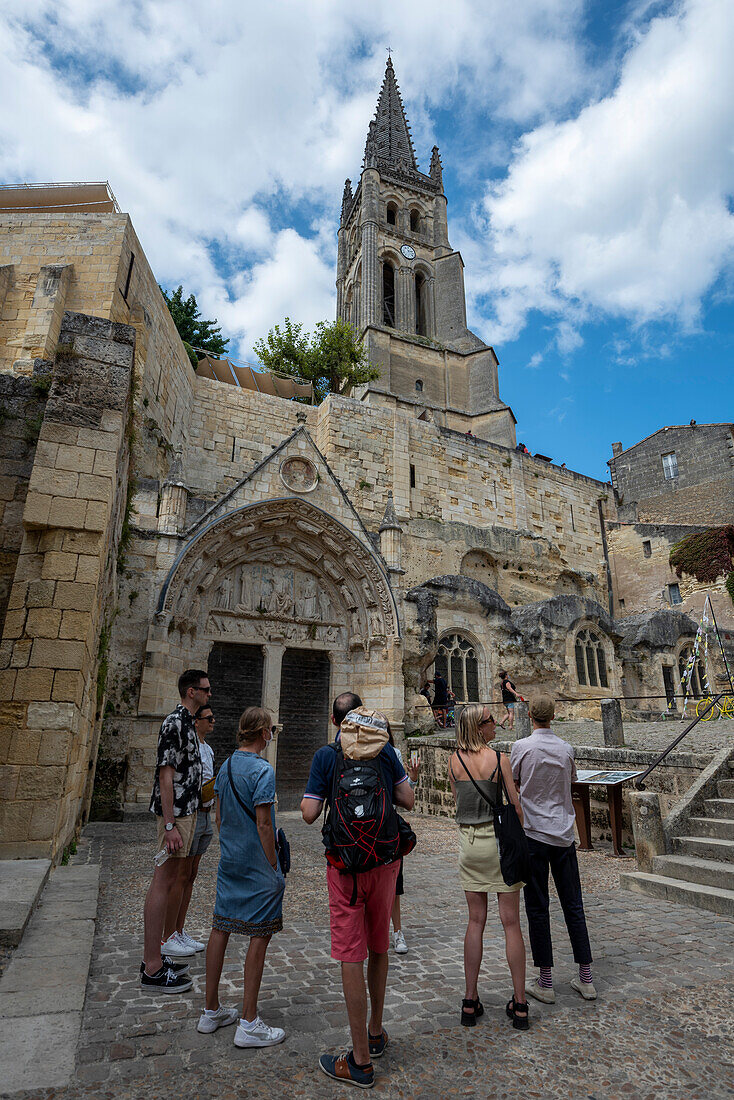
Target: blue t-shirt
(324,762)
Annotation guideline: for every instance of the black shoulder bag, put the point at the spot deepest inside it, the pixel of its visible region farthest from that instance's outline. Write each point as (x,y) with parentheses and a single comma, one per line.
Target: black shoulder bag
(282,847)
(511,840)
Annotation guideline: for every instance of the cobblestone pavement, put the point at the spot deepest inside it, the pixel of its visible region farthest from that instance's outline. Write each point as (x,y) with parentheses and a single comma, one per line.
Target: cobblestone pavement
(663,1025)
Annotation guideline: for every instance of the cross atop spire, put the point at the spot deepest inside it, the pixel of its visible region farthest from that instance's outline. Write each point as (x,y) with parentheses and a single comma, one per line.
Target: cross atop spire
(389,142)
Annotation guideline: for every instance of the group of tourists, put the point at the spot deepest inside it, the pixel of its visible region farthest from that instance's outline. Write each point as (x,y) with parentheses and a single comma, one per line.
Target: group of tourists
(361,779)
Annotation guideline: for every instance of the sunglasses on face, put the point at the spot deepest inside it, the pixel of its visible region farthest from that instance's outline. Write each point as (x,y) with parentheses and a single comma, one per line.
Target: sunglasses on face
(486,721)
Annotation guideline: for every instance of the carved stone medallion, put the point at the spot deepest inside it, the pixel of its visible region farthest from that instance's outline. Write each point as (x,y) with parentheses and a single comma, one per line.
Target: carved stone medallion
(299,475)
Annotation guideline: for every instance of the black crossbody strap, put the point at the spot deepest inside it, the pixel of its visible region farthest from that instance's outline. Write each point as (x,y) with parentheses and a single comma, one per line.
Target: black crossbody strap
(474,782)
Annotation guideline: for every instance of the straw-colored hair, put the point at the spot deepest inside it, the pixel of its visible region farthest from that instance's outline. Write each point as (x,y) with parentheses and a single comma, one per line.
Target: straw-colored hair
(252,722)
(469,732)
(542,707)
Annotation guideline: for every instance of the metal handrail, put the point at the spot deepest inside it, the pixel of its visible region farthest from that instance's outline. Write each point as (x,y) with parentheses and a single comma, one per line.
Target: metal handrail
(640,781)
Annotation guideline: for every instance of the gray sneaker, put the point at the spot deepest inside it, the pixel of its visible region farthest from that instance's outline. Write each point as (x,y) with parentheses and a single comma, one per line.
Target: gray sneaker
(259,1035)
(586,989)
(534,989)
(223,1017)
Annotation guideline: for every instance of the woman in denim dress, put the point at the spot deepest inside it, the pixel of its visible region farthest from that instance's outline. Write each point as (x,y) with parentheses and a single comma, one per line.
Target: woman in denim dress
(250,884)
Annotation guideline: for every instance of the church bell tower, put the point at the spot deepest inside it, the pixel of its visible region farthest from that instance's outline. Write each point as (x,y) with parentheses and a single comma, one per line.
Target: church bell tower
(401,285)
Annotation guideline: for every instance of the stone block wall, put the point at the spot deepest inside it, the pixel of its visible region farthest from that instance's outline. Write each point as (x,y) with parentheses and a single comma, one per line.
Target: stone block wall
(640,582)
(64,578)
(22,401)
(94,264)
(57,262)
(703,491)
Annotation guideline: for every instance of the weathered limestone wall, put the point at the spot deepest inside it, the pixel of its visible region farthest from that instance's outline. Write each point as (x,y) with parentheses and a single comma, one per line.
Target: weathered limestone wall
(702,492)
(22,402)
(94,264)
(82,250)
(670,780)
(641,582)
(51,649)
(537,523)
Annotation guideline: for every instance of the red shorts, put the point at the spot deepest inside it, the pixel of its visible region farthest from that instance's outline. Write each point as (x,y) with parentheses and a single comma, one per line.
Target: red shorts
(365,926)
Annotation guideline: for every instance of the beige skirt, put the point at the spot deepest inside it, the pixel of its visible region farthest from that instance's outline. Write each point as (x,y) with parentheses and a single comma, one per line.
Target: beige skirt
(479,861)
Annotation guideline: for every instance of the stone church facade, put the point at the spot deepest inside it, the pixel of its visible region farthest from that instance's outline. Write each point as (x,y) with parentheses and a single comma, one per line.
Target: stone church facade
(155,520)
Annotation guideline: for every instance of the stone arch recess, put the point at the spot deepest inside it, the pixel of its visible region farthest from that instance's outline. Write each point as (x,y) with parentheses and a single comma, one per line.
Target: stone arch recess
(278,536)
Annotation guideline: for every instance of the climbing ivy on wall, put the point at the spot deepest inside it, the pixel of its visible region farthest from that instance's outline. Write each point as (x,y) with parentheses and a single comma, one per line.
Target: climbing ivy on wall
(705,555)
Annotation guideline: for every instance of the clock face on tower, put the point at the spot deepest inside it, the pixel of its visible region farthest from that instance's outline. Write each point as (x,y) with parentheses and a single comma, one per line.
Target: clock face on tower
(408,252)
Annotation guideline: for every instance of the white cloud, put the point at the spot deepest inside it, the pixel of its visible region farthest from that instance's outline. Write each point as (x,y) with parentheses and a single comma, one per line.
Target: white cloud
(624,208)
(226,129)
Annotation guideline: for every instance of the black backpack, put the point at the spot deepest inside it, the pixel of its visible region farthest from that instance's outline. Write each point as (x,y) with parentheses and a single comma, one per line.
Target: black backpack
(361,830)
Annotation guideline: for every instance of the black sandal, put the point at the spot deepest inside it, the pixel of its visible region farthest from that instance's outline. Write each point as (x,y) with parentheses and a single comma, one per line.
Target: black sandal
(522,1023)
(469,1019)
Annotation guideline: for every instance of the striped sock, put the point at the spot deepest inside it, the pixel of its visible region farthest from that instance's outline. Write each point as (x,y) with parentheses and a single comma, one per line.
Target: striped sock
(585,974)
(545,978)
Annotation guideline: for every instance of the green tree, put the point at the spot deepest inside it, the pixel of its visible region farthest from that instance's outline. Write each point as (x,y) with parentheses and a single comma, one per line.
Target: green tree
(332,358)
(195,332)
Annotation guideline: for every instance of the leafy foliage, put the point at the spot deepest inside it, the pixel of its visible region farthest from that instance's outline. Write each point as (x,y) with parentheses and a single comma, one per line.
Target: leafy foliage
(729,584)
(332,358)
(192,328)
(705,555)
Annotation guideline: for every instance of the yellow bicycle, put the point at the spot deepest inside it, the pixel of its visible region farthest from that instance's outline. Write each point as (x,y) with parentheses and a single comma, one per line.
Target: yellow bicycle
(724,708)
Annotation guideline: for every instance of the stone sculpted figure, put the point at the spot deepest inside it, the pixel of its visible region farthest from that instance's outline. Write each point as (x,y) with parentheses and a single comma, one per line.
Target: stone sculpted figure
(310,599)
(267,596)
(283,597)
(225,593)
(324,604)
(376,622)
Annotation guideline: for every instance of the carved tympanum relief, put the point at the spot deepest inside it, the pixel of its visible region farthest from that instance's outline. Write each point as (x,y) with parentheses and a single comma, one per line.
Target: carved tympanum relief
(281,570)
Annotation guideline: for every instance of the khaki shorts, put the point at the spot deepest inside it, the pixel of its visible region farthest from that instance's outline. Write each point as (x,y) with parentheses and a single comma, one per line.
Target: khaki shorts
(185,826)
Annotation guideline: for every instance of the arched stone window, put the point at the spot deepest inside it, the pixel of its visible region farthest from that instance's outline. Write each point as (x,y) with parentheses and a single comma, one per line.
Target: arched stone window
(415,221)
(591,660)
(392,213)
(456,660)
(419,385)
(420,305)
(388,294)
(697,674)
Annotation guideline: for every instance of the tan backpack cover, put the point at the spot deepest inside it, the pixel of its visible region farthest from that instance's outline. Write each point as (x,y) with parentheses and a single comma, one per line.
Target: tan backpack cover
(363,734)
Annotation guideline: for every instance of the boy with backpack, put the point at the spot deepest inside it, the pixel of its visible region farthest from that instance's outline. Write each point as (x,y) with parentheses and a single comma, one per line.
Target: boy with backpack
(359,777)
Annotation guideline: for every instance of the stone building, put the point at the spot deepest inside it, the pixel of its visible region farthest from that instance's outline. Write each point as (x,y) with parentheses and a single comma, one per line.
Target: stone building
(154,520)
(677,482)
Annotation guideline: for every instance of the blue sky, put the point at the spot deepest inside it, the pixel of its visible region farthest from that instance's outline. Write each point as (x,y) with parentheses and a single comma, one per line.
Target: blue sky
(588,152)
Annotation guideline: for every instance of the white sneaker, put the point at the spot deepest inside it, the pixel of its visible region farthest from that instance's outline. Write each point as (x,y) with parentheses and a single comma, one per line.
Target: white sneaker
(223,1017)
(175,949)
(259,1035)
(586,989)
(398,942)
(535,989)
(189,941)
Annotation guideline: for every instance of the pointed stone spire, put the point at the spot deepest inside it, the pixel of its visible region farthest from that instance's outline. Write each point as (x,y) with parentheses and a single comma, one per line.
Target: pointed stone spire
(347,198)
(389,140)
(370,148)
(436,169)
(390,519)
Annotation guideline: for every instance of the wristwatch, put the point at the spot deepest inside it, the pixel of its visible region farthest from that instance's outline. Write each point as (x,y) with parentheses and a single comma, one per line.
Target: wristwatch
(169,825)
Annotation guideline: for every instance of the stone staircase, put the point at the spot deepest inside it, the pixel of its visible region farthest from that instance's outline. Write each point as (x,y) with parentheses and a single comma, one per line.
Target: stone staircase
(700,870)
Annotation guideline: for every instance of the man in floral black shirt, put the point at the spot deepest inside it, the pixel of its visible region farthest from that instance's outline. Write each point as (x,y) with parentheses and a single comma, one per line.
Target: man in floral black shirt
(175,799)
